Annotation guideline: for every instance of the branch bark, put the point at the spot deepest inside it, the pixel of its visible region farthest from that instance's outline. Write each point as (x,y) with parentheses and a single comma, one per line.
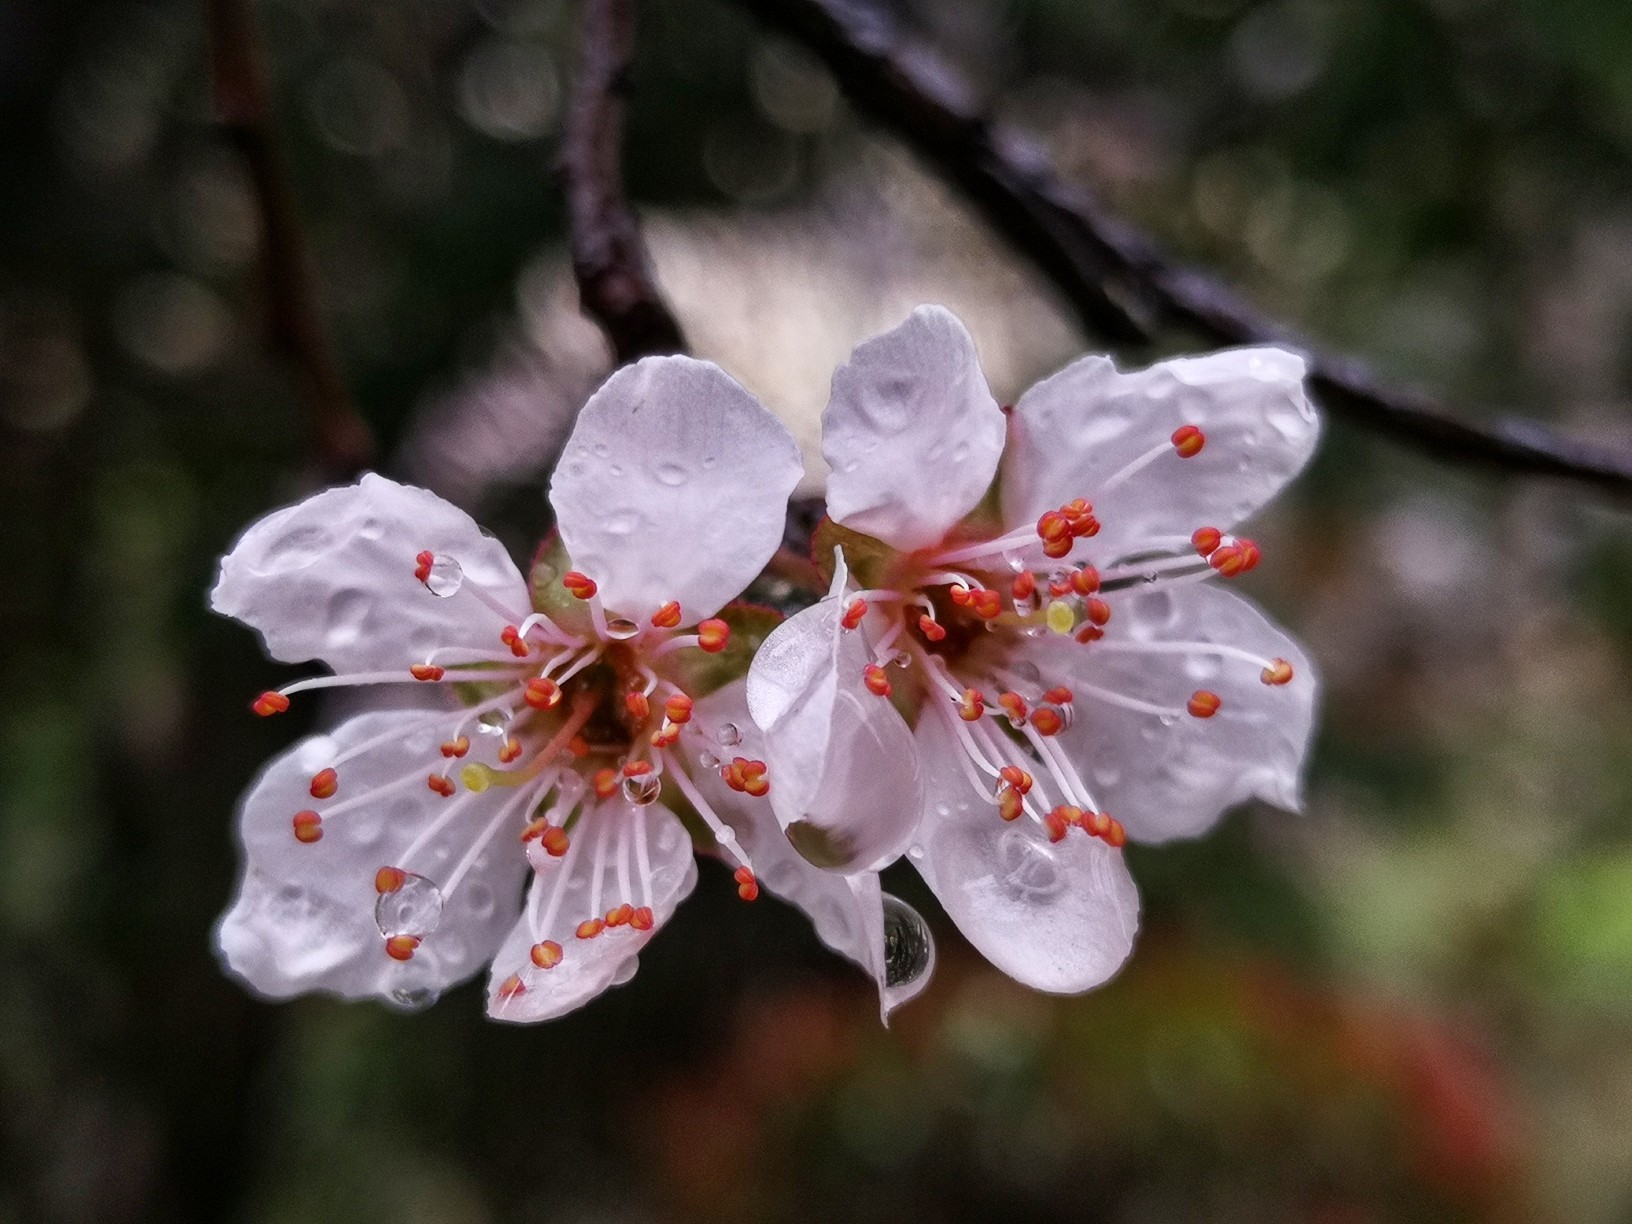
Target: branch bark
(241,103)
(1119,281)
(615,281)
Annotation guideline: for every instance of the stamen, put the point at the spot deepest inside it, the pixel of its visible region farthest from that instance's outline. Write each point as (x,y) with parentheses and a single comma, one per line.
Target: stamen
(713,635)
(854,614)
(1188,441)
(580,586)
(640,709)
(723,833)
(546,955)
(542,693)
(401,947)
(876,680)
(345,681)
(667,617)
(308,827)
(747,885)
(1278,672)
(428,672)
(931,628)
(270,703)
(324,783)
(678,708)
(1203,704)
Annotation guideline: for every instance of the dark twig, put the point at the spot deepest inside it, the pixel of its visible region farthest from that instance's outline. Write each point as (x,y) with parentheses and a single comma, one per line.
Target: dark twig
(241,103)
(614,279)
(1118,280)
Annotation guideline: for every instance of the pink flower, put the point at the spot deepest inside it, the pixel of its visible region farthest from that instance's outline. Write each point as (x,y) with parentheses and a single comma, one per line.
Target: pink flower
(1012,679)
(522,818)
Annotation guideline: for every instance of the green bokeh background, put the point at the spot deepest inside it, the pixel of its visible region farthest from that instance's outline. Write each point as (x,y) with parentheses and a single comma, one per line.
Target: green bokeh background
(1412,1002)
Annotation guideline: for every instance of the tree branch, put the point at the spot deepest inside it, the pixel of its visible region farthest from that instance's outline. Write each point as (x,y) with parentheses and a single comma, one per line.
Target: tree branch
(241,103)
(614,278)
(1120,283)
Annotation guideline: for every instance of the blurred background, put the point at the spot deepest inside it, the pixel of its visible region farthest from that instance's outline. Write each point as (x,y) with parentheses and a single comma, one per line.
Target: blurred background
(1413,1002)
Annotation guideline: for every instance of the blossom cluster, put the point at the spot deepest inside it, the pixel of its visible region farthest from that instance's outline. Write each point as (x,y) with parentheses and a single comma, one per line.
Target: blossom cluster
(1026,657)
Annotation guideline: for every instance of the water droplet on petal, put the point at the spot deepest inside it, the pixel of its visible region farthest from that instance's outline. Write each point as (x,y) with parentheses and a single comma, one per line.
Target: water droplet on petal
(413,909)
(620,629)
(671,474)
(728,735)
(445,578)
(643,790)
(708,760)
(1026,670)
(1027,868)
(494,722)
(909,949)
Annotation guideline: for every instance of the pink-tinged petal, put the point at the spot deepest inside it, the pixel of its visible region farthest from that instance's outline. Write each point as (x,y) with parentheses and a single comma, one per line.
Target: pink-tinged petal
(844,775)
(1072,433)
(333,578)
(911,433)
(546,968)
(673,486)
(1059,917)
(846,910)
(1170,776)
(304,919)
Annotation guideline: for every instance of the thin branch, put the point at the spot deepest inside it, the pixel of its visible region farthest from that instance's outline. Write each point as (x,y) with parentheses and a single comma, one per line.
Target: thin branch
(1121,284)
(241,103)
(614,278)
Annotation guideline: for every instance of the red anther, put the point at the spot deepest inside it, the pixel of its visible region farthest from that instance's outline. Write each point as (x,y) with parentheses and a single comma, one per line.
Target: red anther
(854,614)
(401,947)
(637,769)
(1076,511)
(731,773)
(511,637)
(1047,721)
(960,596)
(1084,526)
(1013,705)
(1058,548)
(1279,671)
(426,671)
(511,987)
(440,784)
(754,781)
(535,829)
(423,563)
(640,709)
(1059,695)
(643,919)
(747,885)
(606,783)
(1053,525)
(1096,610)
(931,628)
(713,635)
(666,736)
(1056,825)
(1024,585)
(1072,815)
(972,708)
(1188,441)
(590,927)
(308,827)
(1228,559)
(580,585)
(542,693)
(456,747)
(619,915)
(324,783)
(1250,555)
(1206,539)
(1115,835)
(668,616)
(1203,704)
(269,703)
(876,680)
(555,841)
(1085,581)
(1089,633)
(1059,586)
(987,603)
(678,708)
(1009,803)
(509,750)
(578,746)
(546,955)
(1095,823)
(1016,777)
(389,879)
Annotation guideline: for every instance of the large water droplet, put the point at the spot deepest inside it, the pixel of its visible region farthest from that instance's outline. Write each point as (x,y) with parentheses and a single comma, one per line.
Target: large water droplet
(728,735)
(621,629)
(414,909)
(642,790)
(1027,868)
(494,722)
(909,949)
(671,474)
(445,578)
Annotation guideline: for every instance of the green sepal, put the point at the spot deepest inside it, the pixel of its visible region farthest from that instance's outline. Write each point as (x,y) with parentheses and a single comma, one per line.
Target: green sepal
(869,559)
(550,562)
(700,673)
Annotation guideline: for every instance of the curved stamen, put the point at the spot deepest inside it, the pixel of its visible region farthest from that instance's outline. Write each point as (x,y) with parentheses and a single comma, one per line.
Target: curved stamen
(551,630)
(1110,697)
(723,833)
(1123,646)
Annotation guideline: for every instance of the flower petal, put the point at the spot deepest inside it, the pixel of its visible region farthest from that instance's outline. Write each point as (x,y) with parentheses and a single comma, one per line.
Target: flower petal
(1058,917)
(332,578)
(844,774)
(1073,432)
(673,486)
(560,899)
(304,918)
(846,910)
(1173,778)
(911,432)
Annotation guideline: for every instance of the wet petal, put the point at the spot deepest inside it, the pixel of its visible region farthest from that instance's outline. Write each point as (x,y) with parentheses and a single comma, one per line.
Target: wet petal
(1173,777)
(1071,433)
(844,774)
(1059,917)
(673,486)
(912,433)
(564,896)
(304,918)
(332,578)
